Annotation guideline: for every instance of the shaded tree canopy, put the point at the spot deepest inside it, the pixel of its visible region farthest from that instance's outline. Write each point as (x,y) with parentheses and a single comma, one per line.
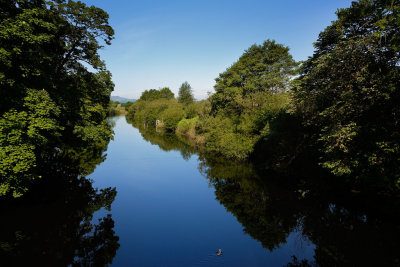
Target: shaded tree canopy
(349,90)
(48,95)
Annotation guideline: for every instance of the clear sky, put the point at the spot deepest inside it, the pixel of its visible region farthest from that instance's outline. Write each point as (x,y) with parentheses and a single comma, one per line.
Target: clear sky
(162,43)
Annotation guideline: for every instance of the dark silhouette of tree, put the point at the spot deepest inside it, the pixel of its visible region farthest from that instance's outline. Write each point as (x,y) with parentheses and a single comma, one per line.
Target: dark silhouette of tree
(52,224)
(348,94)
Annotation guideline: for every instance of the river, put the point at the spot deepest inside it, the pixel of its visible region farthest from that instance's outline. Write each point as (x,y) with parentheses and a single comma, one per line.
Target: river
(166,212)
(150,199)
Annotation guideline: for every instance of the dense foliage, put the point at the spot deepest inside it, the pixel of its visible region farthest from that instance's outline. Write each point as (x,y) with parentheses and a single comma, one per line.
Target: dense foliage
(160,108)
(48,96)
(263,70)
(348,94)
(249,95)
(153,94)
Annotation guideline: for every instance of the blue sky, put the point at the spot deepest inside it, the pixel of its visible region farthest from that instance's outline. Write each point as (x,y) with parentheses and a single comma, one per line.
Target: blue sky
(164,43)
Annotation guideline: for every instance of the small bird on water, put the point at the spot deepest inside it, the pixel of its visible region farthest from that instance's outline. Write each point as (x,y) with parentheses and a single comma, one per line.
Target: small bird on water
(219,252)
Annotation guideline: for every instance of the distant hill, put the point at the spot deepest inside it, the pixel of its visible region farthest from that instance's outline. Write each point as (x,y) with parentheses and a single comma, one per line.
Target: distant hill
(122,99)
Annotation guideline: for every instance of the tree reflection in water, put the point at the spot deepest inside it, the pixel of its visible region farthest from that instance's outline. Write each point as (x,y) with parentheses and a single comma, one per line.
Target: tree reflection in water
(52,225)
(347,229)
(167,142)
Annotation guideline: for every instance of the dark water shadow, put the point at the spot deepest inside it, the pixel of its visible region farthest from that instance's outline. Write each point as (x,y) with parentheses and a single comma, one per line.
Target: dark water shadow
(52,224)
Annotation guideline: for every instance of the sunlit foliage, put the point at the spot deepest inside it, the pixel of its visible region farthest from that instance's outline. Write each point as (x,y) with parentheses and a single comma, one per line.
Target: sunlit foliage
(47,94)
(248,96)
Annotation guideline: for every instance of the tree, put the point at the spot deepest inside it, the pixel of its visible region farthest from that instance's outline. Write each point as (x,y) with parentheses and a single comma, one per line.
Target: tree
(48,96)
(153,94)
(166,93)
(349,90)
(249,95)
(262,70)
(185,95)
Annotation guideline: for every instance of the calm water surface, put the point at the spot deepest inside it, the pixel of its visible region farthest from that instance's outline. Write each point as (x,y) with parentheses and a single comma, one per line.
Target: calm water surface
(166,212)
(173,206)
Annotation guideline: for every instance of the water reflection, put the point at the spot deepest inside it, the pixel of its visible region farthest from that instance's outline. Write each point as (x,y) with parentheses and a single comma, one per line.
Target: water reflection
(167,142)
(52,225)
(347,229)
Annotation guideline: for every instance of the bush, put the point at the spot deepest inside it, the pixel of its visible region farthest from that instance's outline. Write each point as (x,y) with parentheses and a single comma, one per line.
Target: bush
(171,117)
(188,127)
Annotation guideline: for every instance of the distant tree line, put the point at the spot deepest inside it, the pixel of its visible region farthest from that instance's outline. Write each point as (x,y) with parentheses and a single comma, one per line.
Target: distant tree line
(337,110)
(161,107)
(116,108)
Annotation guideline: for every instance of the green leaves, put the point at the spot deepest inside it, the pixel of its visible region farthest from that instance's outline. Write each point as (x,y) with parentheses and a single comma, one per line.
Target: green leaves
(48,97)
(22,135)
(171,117)
(348,93)
(249,94)
(153,94)
(261,70)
